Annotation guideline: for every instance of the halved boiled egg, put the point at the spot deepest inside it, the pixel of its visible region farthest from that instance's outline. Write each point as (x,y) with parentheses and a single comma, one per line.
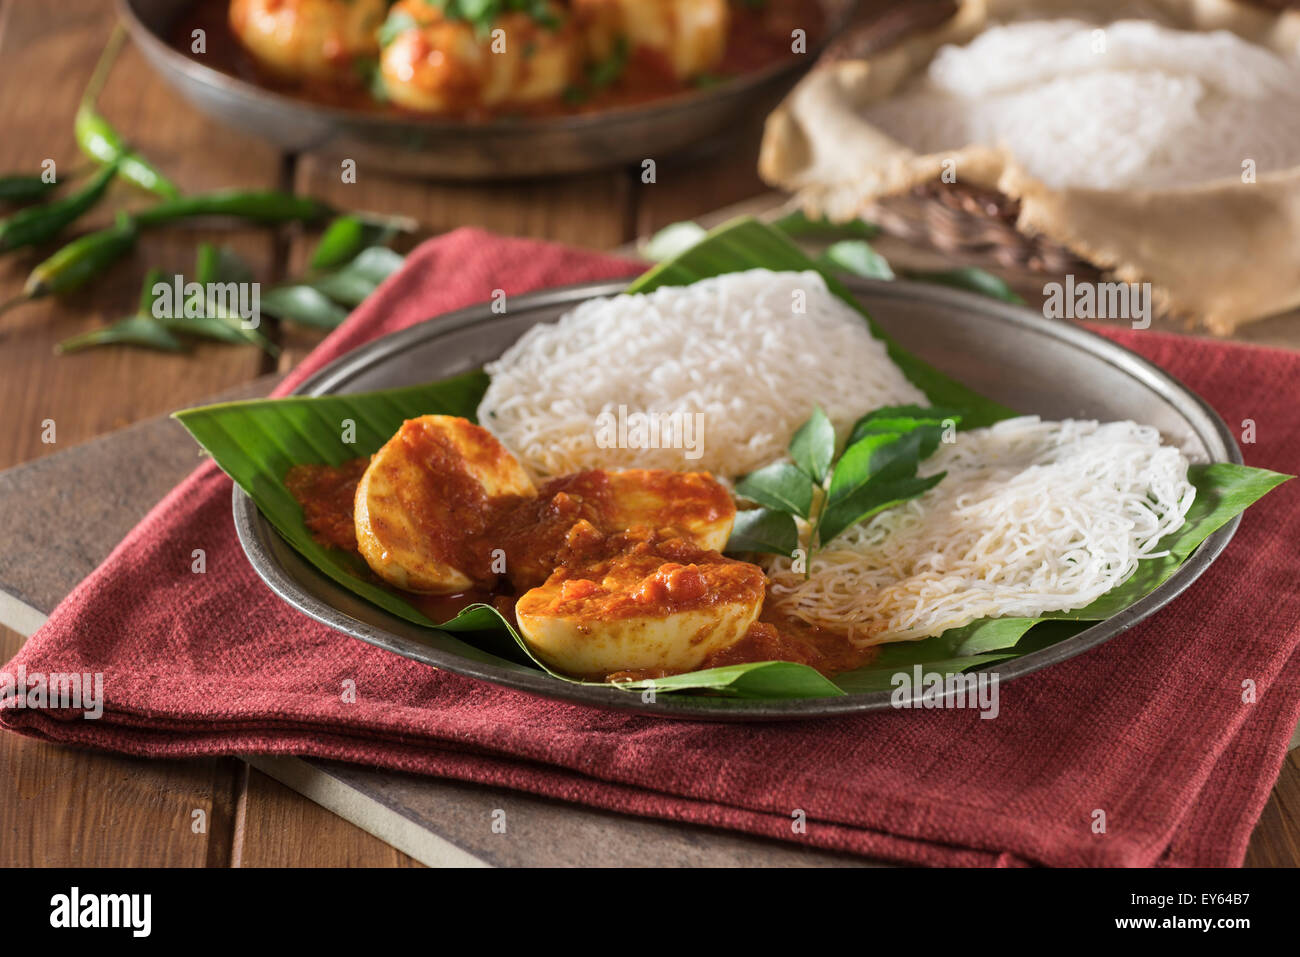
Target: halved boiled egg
(426,497)
(690,504)
(658,606)
(536,536)
(309,39)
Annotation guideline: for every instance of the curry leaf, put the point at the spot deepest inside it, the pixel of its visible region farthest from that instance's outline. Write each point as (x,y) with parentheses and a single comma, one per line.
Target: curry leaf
(780,486)
(813,445)
(207,314)
(970,278)
(856,256)
(347,236)
(353,282)
(868,500)
(863,459)
(303,304)
(148,291)
(220,264)
(798,223)
(144,331)
(906,418)
(315,301)
(764,530)
(217,324)
(19,188)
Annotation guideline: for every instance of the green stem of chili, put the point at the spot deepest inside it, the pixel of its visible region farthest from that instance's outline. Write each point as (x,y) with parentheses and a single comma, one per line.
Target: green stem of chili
(36,224)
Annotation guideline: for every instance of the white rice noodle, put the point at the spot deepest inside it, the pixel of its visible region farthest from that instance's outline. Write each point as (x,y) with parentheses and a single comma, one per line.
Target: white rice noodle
(1135,106)
(1032,517)
(751,353)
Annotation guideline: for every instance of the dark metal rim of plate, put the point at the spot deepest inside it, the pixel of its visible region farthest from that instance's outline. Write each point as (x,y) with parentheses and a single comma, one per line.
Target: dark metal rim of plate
(505,148)
(260,540)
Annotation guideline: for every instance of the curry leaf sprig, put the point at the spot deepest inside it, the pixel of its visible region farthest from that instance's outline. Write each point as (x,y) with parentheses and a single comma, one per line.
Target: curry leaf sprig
(348,264)
(876,470)
(199,315)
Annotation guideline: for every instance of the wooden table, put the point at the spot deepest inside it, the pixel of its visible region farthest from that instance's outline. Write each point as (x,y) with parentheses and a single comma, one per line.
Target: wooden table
(65,807)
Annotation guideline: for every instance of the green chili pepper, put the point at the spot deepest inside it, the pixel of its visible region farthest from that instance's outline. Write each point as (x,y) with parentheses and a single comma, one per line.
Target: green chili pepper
(35,224)
(100,141)
(268,207)
(147,294)
(81,259)
(347,235)
(24,189)
(90,254)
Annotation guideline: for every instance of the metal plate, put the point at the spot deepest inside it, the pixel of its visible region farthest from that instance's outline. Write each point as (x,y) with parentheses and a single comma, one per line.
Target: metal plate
(449,149)
(1005,352)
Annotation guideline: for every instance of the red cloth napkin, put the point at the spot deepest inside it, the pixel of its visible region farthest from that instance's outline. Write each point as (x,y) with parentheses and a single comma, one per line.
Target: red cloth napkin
(1150,728)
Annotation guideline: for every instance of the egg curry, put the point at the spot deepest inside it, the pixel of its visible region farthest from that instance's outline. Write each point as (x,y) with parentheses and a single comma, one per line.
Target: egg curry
(499,57)
(607,575)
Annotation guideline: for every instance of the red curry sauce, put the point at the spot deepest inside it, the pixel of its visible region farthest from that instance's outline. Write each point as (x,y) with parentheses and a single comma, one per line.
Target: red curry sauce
(556,530)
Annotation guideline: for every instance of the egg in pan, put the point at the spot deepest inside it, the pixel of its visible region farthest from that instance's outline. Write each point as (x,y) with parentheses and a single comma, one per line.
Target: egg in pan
(444,58)
(308,39)
(439,65)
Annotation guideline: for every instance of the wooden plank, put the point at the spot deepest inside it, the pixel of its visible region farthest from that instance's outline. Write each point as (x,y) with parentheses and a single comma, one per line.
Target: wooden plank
(1276,839)
(592,210)
(61,806)
(68,808)
(688,187)
(589,210)
(453,823)
(280,828)
(100,390)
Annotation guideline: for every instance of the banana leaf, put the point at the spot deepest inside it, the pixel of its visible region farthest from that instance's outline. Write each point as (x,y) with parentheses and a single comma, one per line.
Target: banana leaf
(748,244)
(257,442)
